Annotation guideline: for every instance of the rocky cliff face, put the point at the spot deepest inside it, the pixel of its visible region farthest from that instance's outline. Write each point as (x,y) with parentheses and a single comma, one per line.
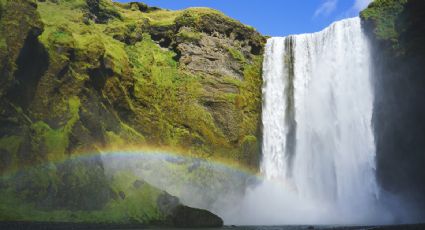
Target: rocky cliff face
(86,75)
(397,30)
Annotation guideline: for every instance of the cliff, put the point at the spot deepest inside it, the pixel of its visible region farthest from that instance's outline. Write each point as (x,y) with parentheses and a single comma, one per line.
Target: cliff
(88,75)
(397,31)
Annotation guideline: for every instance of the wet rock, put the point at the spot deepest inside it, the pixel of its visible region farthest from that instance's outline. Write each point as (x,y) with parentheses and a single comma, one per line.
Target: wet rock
(187,217)
(101,11)
(166,203)
(138,183)
(122,195)
(181,216)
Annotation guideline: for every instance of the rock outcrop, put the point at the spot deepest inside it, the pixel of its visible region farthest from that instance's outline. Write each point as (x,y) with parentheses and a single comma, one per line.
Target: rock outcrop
(88,75)
(182,216)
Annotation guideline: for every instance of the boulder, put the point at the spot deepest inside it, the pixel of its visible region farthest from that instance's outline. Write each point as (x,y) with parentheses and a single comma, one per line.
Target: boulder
(181,216)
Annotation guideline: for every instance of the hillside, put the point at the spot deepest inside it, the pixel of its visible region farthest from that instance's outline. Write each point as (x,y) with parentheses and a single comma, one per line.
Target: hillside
(86,76)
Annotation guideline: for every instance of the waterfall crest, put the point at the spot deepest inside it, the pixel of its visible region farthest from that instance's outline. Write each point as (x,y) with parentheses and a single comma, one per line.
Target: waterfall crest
(318,143)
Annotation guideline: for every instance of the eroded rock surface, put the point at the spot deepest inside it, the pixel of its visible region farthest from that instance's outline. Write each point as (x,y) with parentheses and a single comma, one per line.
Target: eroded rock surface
(81,77)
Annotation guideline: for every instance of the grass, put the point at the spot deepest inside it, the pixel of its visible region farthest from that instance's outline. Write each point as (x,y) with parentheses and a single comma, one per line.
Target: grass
(236,54)
(188,35)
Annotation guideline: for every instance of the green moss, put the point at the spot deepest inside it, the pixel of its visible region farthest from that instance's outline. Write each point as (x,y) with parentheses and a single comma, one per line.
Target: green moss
(230,97)
(232,81)
(2,2)
(158,85)
(115,52)
(138,206)
(192,16)
(65,28)
(249,101)
(132,135)
(56,141)
(250,138)
(249,104)
(74,107)
(188,35)
(61,37)
(236,54)
(9,147)
(11,144)
(103,10)
(36,183)
(148,97)
(162,17)
(3,44)
(162,87)
(383,15)
(68,14)
(18,19)
(125,137)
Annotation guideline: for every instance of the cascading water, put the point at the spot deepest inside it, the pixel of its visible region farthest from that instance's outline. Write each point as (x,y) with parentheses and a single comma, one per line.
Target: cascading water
(318,140)
(317,114)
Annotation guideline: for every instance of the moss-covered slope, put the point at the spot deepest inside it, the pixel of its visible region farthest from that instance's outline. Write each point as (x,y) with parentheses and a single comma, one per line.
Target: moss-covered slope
(80,76)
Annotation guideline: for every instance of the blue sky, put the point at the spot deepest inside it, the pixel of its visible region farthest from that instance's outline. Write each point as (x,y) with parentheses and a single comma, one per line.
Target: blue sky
(275,17)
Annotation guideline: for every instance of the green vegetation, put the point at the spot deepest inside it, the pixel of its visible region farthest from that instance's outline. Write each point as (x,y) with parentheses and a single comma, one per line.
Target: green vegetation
(162,87)
(383,15)
(188,35)
(193,17)
(55,141)
(10,144)
(9,147)
(236,54)
(138,206)
(1,7)
(109,75)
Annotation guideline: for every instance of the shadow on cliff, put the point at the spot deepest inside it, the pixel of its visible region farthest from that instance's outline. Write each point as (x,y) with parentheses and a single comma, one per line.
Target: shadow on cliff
(399,111)
(32,63)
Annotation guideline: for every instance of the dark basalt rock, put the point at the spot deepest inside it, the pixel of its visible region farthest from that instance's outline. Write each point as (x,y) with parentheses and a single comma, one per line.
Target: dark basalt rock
(142,7)
(138,183)
(122,195)
(16,36)
(181,216)
(187,217)
(100,12)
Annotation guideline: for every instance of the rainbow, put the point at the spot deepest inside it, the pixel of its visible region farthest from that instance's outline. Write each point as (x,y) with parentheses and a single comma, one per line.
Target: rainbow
(138,152)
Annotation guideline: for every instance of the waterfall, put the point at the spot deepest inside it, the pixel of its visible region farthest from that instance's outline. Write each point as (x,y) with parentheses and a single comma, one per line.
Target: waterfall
(317,114)
(318,143)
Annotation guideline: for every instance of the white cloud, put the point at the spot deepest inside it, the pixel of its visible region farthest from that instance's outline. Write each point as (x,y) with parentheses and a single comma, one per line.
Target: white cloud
(326,8)
(359,5)
(355,8)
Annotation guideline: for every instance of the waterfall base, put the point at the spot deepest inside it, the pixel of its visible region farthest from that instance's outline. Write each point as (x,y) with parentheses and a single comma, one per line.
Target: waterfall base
(318,144)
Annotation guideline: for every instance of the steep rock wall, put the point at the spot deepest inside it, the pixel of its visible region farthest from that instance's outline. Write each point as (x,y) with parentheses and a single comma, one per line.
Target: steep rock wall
(397,30)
